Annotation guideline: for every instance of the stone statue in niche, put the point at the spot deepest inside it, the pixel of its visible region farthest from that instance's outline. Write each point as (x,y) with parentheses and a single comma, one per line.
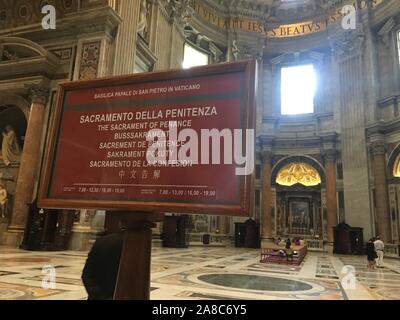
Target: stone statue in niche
(235,51)
(3,200)
(201,223)
(142,26)
(10,149)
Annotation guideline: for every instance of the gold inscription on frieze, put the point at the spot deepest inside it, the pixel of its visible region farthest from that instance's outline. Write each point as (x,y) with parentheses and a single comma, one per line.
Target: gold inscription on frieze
(282,31)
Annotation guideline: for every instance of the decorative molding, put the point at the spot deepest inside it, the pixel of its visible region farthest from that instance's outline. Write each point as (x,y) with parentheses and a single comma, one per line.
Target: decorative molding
(266,156)
(330,155)
(38,94)
(383,128)
(7,55)
(329,150)
(243,49)
(145,57)
(64,53)
(384,32)
(203,43)
(177,11)
(182,12)
(89,60)
(392,100)
(378,148)
(348,44)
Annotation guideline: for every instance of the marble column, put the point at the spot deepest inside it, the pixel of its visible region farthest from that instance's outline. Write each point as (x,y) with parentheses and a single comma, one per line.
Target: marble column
(349,48)
(28,167)
(82,231)
(266,227)
(331,195)
(125,50)
(383,228)
(223,227)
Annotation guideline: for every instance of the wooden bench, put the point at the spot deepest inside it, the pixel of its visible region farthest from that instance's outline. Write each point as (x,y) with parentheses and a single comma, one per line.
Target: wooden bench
(276,254)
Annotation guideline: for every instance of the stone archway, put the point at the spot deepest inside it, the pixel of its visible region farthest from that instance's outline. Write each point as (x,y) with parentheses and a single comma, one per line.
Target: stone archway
(22,58)
(11,115)
(299,196)
(17,101)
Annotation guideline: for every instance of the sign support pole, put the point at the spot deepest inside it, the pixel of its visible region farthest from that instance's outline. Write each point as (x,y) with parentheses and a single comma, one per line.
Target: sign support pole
(133,282)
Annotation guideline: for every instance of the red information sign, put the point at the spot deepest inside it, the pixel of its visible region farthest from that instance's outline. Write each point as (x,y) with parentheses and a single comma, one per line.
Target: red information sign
(179,141)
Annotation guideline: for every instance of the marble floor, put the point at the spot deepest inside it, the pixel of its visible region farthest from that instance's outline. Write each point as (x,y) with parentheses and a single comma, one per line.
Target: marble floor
(207,274)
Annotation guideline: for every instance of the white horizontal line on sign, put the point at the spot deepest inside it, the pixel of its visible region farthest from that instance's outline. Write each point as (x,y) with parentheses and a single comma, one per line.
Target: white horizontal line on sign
(136,185)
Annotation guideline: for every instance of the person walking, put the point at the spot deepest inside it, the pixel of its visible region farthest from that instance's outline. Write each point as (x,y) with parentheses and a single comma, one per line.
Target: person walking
(380,249)
(371,254)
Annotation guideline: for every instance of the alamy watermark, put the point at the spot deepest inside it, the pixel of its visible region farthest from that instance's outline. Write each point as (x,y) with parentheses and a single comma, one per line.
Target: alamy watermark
(349,281)
(49,21)
(349,20)
(188,147)
(49,277)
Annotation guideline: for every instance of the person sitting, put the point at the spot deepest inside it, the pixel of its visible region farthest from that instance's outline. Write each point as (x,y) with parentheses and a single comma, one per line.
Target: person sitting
(288,250)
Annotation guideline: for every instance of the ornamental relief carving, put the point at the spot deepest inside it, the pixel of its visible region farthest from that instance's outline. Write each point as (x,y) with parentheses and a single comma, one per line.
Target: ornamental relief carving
(348,44)
(63,54)
(6,54)
(90,61)
(245,51)
(38,94)
(378,148)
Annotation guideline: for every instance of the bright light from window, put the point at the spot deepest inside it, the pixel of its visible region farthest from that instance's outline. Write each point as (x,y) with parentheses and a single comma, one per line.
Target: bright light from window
(194,58)
(398,43)
(298,86)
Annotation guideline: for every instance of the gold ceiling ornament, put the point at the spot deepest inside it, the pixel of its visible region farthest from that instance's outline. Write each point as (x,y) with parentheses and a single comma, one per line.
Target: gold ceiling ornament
(298,173)
(396,167)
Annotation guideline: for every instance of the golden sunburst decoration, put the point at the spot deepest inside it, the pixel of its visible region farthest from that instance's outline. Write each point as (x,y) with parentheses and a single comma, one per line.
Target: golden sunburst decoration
(396,167)
(298,173)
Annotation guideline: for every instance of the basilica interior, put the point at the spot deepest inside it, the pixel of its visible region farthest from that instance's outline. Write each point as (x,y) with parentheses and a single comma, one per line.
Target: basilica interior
(327,142)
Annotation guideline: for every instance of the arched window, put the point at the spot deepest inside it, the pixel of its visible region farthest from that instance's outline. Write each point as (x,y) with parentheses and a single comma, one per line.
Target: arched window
(194,57)
(298,88)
